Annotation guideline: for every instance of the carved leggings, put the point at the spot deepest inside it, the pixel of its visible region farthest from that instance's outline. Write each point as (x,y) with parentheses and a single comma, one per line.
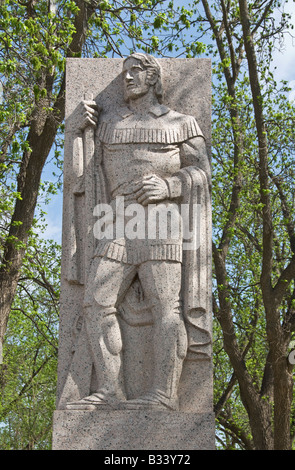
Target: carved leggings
(161,283)
(109,280)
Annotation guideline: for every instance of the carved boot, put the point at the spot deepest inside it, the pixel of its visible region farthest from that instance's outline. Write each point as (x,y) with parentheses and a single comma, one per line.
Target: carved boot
(105,342)
(170,347)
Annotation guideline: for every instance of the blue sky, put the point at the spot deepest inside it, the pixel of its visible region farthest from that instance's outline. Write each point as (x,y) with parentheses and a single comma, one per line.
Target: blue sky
(284,60)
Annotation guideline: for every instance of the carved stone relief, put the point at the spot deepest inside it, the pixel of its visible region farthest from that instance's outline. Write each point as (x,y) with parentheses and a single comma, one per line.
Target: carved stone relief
(137,244)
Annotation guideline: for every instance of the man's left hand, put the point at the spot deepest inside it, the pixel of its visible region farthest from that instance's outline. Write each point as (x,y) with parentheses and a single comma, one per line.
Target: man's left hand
(151,189)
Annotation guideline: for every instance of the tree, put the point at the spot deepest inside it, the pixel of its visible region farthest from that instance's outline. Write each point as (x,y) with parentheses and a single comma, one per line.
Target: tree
(253,247)
(28,375)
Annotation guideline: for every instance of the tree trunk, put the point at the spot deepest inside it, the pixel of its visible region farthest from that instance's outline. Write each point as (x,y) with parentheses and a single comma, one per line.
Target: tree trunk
(282,381)
(28,187)
(258,410)
(40,139)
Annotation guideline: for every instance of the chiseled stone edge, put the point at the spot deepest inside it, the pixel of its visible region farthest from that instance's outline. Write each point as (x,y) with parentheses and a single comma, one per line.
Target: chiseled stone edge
(133,430)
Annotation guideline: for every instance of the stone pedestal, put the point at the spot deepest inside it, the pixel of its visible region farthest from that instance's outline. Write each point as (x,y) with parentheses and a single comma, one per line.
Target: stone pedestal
(132,430)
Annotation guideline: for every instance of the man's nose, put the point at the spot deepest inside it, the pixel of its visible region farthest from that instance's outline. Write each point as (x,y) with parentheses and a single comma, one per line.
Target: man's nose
(128,76)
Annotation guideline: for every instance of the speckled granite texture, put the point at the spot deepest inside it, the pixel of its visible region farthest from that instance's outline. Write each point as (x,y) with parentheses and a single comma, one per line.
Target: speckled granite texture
(135,344)
(129,430)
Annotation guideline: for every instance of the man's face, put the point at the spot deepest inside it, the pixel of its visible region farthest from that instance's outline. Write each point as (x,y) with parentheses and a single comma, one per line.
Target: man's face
(135,79)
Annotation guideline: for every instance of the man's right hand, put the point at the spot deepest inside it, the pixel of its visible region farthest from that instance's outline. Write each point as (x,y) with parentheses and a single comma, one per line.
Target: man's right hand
(90,113)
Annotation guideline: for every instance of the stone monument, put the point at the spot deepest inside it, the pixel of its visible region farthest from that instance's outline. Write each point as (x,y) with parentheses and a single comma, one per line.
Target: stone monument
(135,365)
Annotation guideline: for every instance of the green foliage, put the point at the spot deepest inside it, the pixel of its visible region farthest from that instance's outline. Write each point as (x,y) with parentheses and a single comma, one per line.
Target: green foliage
(244,257)
(29,369)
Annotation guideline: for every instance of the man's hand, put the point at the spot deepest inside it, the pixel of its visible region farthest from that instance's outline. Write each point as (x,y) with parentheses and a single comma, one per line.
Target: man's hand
(90,113)
(151,189)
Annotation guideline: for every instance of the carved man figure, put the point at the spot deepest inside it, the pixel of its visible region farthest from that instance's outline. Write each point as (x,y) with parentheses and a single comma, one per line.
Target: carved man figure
(149,154)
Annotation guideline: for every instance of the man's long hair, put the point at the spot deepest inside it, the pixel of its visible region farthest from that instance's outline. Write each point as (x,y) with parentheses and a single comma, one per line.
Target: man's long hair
(153,68)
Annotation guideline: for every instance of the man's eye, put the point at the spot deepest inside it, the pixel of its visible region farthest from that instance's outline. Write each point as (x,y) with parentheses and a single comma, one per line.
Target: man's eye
(137,69)
(133,71)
